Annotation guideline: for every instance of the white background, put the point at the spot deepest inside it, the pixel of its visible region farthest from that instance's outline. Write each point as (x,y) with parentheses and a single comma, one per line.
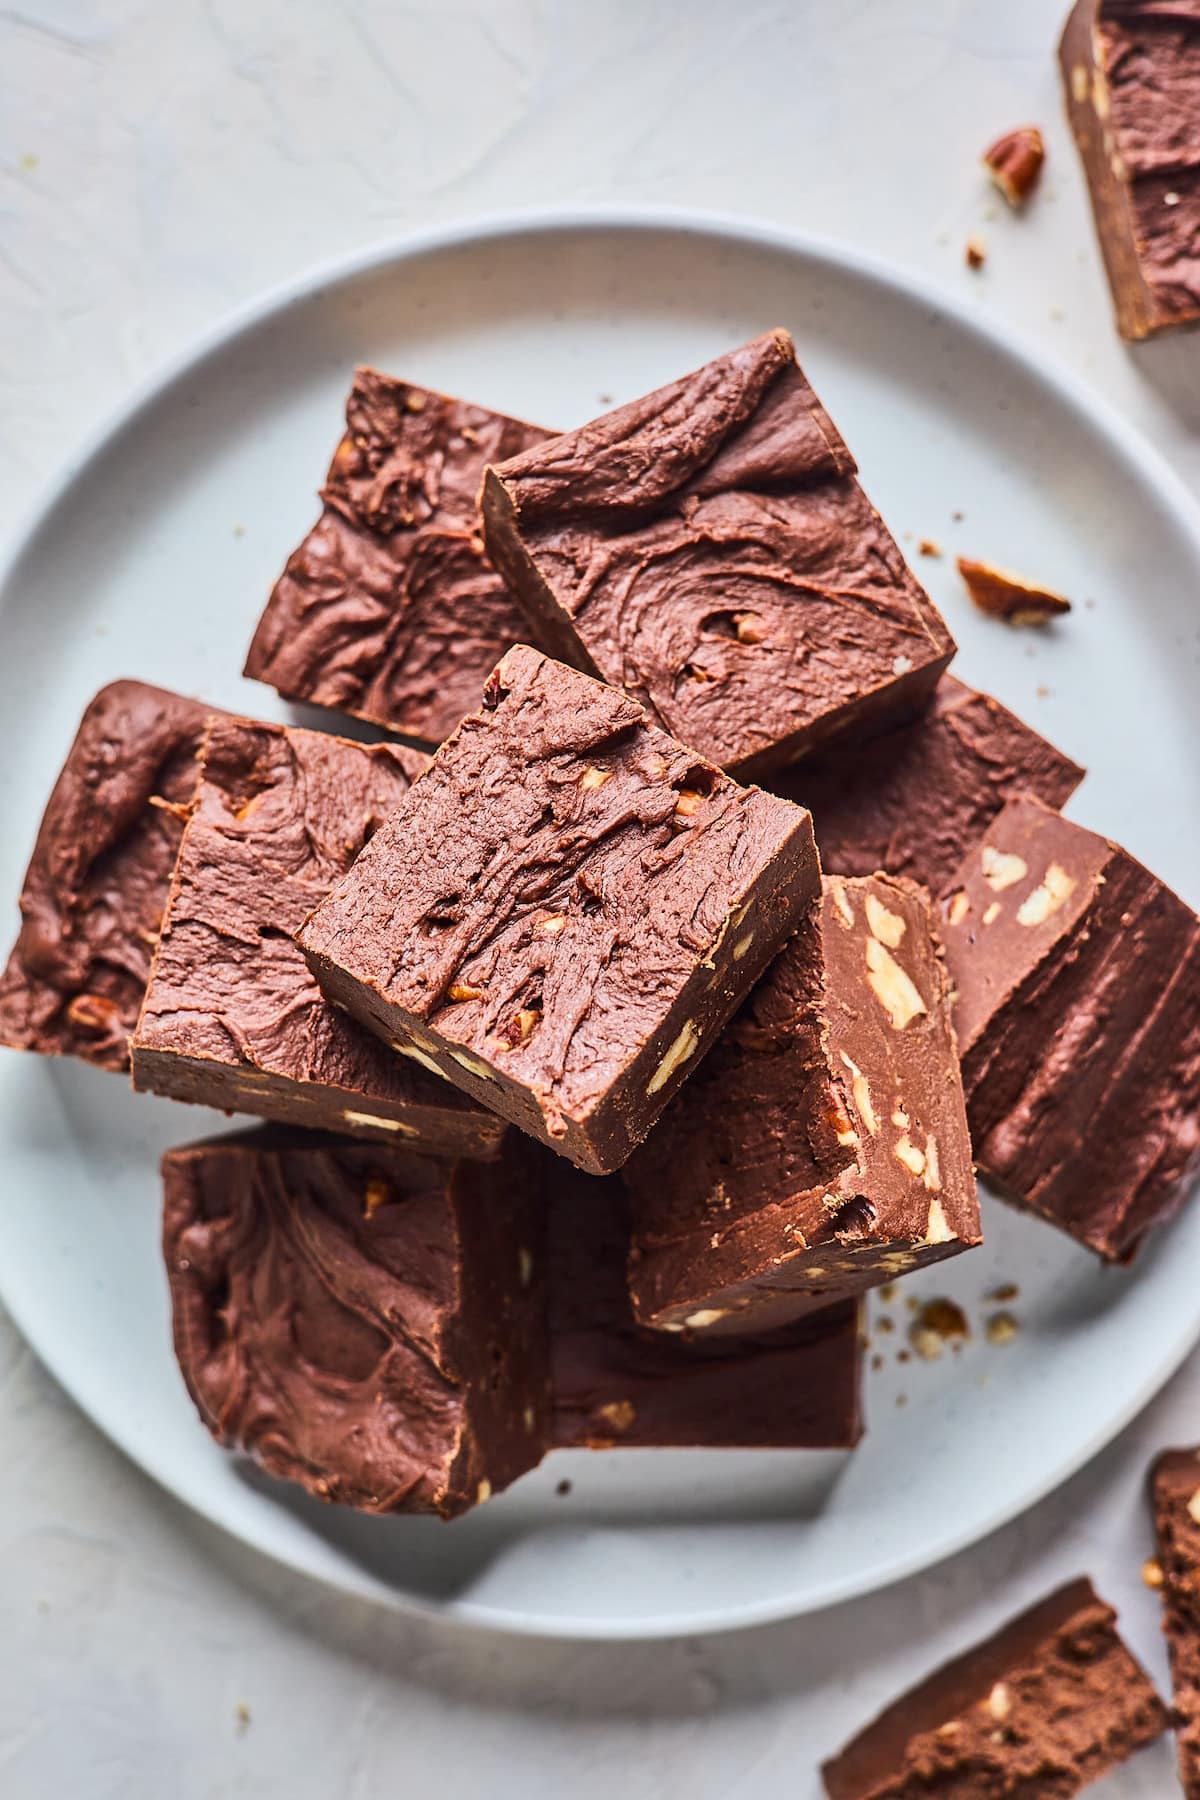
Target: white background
(160,164)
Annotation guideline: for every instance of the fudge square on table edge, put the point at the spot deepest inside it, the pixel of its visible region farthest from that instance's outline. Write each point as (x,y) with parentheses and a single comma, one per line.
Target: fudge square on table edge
(565,910)
(914,800)
(615,1382)
(362,1320)
(1047,1705)
(97,882)
(822,1147)
(708,548)
(1175,1495)
(232,1018)
(1077,978)
(1130,73)
(389,609)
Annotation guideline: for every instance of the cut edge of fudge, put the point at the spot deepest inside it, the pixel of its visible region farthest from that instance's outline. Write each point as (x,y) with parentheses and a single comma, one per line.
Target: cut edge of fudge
(94,892)
(1083,56)
(879,1179)
(1175,1496)
(1058,1045)
(530,1028)
(229,889)
(372,1345)
(974,1711)
(388,609)
(649,462)
(416,1121)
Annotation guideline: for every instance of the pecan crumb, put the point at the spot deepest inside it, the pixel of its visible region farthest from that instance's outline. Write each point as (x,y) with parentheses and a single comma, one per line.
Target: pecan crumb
(929,547)
(938,1323)
(1004,595)
(975,253)
(1014,162)
(1152,1572)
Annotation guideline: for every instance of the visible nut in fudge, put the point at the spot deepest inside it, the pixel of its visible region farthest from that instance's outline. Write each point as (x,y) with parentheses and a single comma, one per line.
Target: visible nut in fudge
(617,1383)
(361,1320)
(915,800)
(1078,1014)
(1131,71)
(232,1018)
(565,910)
(1050,1703)
(97,883)
(389,608)
(822,1148)
(1175,1493)
(709,549)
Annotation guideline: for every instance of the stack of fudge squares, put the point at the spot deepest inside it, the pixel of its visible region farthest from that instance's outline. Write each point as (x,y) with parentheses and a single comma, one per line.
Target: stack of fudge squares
(652,993)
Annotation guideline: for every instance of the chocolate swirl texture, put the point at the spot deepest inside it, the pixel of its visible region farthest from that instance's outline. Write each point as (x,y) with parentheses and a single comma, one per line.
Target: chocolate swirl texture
(565,910)
(389,609)
(97,883)
(709,550)
(360,1320)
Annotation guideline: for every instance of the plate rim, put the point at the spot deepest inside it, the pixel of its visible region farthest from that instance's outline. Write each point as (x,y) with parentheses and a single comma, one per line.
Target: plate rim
(1124,440)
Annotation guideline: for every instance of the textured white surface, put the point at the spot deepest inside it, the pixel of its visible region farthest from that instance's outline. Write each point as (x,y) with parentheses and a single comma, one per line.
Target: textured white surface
(160,164)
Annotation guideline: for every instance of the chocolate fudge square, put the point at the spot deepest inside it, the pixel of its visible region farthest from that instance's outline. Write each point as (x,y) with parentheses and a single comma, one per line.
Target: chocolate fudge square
(1175,1494)
(359,1319)
(1131,72)
(232,1017)
(1050,1703)
(389,608)
(709,549)
(565,910)
(617,1383)
(914,800)
(97,882)
(1078,1017)
(822,1148)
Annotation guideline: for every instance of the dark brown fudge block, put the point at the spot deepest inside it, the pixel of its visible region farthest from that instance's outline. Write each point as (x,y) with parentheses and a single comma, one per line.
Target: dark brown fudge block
(1048,1705)
(389,608)
(362,1320)
(709,549)
(1078,1016)
(1131,70)
(565,910)
(97,883)
(232,1017)
(914,800)
(1175,1491)
(822,1147)
(616,1382)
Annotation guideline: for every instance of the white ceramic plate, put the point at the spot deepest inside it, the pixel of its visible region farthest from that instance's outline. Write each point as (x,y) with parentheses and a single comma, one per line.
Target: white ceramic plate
(153,557)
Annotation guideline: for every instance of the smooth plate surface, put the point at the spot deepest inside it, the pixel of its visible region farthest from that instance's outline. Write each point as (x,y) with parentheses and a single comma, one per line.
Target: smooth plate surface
(153,557)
